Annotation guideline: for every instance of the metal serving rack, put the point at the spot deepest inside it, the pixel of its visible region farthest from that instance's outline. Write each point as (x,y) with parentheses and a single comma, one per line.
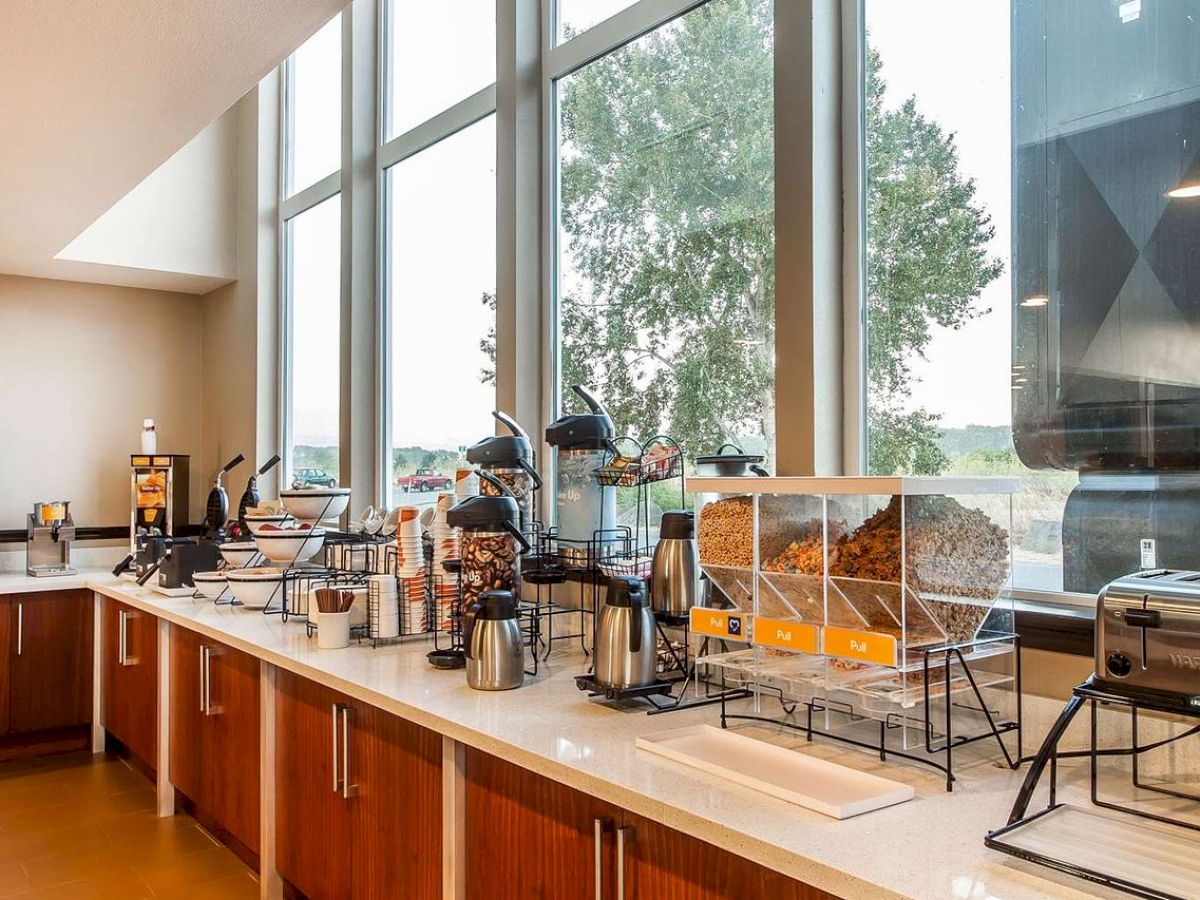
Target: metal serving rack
(936,729)
(1157,860)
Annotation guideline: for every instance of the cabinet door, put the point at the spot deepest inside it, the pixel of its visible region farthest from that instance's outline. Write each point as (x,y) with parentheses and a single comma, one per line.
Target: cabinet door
(661,863)
(528,836)
(395,768)
(312,820)
(130,674)
(231,743)
(50,649)
(187,748)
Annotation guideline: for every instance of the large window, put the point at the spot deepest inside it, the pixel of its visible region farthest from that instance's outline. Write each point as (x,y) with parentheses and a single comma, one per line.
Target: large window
(666,289)
(312,253)
(313,246)
(442,286)
(440,53)
(1028,259)
(314,109)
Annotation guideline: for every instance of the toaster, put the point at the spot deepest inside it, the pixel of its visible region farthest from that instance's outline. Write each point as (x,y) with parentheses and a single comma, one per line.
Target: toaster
(1148,634)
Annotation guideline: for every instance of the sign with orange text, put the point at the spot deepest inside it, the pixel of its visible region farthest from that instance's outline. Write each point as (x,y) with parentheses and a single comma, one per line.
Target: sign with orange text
(783,635)
(868,646)
(720,623)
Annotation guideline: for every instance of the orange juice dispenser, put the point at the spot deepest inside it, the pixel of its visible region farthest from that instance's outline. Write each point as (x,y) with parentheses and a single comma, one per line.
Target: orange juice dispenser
(158,496)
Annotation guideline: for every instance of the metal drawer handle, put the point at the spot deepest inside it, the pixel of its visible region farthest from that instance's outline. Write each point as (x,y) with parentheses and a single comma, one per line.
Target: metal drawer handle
(623,835)
(348,790)
(333,717)
(599,826)
(121,639)
(20,627)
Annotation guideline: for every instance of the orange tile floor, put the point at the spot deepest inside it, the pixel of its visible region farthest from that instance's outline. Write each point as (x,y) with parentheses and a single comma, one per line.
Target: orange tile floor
(83,826)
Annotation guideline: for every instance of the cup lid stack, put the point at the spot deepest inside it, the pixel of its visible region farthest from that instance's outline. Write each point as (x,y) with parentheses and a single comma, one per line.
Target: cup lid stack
(383,620)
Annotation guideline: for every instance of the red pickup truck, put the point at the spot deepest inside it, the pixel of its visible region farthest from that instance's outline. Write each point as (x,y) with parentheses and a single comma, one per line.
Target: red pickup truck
(424,479)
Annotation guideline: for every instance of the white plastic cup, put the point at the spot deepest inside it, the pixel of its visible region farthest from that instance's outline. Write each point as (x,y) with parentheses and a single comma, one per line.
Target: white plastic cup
(333,630)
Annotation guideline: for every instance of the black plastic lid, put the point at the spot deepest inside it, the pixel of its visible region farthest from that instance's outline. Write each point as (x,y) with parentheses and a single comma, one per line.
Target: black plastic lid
(583,431)
(483,513)
(593,430)
(496,605)
(677,525)
(502,451)
(626,590)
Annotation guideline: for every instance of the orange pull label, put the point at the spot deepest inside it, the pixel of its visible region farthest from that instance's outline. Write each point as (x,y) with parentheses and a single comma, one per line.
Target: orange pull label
(799,636)
(720,623)
(868,646)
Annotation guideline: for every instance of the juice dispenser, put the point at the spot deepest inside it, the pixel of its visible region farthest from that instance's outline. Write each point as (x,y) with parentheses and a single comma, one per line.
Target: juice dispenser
(584,508)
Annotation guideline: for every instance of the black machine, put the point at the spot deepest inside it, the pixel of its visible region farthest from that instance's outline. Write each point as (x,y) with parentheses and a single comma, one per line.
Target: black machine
(216,510)
(1106,150)
(250,497)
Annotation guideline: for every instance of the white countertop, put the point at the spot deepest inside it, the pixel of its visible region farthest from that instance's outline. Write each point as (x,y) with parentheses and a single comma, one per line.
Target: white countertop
(929,847)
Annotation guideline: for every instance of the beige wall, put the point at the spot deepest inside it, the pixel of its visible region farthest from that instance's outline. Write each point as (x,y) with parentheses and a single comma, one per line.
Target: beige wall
(80,366)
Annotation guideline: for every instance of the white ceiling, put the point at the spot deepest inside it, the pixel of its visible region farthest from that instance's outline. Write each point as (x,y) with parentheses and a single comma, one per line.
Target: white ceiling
(97,95)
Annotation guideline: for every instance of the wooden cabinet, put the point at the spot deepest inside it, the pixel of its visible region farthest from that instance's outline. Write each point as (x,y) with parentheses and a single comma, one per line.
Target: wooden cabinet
(528,836)
(47,638)
(358,797)
(129,644)
(214,723)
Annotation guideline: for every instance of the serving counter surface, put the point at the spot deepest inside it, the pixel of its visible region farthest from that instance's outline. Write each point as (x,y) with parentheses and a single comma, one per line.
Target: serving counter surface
(929,847)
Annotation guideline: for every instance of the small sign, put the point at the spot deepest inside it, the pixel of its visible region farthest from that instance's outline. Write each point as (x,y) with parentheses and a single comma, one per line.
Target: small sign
(800,636)
(720,623)
(868,646)
(1148,553)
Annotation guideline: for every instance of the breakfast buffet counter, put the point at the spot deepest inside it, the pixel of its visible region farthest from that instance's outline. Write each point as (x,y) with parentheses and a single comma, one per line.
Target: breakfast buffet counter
(931,846)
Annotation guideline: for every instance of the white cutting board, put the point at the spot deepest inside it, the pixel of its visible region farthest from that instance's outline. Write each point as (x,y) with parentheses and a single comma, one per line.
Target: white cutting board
(816,784)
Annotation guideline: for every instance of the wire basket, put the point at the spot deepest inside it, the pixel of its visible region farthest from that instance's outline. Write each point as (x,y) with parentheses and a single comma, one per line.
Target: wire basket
(630,464)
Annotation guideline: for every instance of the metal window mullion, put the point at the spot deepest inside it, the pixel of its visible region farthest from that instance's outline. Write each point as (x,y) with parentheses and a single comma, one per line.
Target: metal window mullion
(383,292)
(627,25)
(283,285)
(313,195)
(449,121)
(854,236)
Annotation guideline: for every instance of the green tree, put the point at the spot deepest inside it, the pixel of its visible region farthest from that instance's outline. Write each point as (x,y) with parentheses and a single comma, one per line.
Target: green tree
(927,264)
(667,211)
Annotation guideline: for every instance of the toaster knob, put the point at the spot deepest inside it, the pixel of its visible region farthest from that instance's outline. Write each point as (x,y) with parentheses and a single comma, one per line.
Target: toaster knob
(1119,665)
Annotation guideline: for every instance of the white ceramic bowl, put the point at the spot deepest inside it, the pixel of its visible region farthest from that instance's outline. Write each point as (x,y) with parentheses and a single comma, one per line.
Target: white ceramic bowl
(280,520)
(315,504)
(238,554)
(290,546)
(210,585)
(256,587)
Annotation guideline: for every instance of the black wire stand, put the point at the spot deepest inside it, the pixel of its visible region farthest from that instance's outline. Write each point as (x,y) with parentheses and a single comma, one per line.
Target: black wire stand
(1095,693)
(939,741)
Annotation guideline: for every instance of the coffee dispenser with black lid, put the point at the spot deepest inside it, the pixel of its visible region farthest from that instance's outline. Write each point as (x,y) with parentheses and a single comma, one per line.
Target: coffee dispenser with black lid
(491,536)
(583,507)
(512,459)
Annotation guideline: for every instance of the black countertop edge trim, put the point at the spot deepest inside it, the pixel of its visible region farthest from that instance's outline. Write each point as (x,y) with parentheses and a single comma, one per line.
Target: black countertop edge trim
(1057,627)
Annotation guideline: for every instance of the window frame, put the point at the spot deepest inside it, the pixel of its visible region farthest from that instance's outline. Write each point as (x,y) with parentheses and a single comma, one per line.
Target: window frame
(444,124)
(289,207)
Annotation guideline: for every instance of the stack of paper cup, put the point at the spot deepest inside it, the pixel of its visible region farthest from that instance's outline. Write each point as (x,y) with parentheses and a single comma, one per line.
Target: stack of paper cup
(466,483)
(384,617)
(446,545)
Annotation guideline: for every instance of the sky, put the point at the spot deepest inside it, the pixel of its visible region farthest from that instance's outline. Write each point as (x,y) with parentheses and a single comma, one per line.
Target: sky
(965,87)
(442,225)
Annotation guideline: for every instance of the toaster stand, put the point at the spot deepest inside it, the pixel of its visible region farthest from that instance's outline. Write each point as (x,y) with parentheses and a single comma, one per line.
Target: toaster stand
(1043,837)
